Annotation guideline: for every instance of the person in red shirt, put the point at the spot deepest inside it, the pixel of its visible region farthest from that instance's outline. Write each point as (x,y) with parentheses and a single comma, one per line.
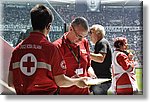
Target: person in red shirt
(124,80)
(37,66)
(75,50)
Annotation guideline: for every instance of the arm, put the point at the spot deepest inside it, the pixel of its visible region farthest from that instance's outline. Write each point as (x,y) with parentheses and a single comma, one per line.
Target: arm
(123,61)
(97,57)
(10,79)
(64,81)
(90,70)
(100,53)
(91,73)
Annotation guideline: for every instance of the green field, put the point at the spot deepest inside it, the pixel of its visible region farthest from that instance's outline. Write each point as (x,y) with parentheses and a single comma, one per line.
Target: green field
(139,76)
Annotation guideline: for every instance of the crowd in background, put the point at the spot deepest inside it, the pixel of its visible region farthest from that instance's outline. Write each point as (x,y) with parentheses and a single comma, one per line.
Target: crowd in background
(16,18)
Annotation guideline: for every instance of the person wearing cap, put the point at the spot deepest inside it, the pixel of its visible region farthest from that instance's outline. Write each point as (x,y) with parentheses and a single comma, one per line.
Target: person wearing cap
(124,80)
(101,58)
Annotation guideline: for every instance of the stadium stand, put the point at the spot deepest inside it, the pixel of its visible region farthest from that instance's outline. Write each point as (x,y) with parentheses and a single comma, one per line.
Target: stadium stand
(118,20)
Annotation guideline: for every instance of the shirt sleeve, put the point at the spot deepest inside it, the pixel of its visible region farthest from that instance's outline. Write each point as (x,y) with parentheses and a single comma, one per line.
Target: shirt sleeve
(58,63)
(10,65)
(123,61)
(11,62)
(102,48)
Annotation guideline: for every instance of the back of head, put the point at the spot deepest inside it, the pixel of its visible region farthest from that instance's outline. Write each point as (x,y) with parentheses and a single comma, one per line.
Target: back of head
(80,21)
(98,29)
(41,16)
(120,41)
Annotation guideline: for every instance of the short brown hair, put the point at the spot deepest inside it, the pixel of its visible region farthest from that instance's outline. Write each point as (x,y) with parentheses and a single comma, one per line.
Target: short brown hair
(41,16)
(80,21)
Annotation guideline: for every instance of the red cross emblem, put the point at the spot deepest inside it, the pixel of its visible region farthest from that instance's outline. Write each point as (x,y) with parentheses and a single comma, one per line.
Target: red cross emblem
(63,64)
(28,64)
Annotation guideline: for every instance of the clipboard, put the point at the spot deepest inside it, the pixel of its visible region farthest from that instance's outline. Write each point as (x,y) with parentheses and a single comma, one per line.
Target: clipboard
(96,81)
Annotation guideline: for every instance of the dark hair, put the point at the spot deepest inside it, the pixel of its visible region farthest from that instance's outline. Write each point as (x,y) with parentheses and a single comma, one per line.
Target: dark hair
(41,16)
(120,41)
(80,21)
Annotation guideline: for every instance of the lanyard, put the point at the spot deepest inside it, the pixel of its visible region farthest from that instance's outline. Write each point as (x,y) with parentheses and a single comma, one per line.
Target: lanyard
(73,53)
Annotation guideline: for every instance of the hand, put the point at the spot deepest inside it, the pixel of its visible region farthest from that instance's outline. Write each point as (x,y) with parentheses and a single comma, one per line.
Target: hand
(132,65)
(130,56)
(93,76)
(81,83)
(75,76)
(91,73)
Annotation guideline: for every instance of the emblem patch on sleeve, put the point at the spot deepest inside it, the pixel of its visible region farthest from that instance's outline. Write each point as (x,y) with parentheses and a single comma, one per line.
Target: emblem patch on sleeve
(63,64)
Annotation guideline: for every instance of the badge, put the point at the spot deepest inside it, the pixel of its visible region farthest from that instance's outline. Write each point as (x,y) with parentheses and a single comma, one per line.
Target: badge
(79,71)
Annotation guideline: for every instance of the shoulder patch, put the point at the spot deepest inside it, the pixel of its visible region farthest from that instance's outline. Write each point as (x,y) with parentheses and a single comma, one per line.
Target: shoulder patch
(63,64)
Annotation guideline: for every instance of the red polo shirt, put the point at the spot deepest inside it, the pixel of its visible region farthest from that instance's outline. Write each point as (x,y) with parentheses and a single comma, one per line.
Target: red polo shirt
(72,64)
(34,63)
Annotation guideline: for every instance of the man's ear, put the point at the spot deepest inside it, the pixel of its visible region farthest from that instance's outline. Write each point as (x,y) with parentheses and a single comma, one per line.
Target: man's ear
(48,26)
